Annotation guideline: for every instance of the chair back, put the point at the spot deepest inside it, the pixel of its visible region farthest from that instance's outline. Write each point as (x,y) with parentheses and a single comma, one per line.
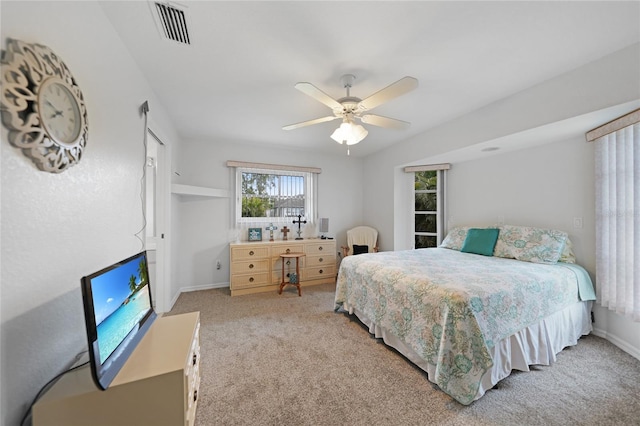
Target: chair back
(362,236)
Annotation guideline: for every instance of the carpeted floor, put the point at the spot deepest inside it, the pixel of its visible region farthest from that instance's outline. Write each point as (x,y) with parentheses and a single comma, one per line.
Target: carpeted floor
(270,359)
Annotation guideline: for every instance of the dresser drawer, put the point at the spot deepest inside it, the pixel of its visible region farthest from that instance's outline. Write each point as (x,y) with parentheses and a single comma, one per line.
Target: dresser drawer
(248,253)
(250,266)
(320,248)
(249,280)
(319,272)
(286,249)
(322,260)
(289,263)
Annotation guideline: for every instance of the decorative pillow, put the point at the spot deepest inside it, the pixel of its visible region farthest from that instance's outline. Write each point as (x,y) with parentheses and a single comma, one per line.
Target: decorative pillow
(360,249)
(530,244)
(455,238)
(480,241)
(567,255)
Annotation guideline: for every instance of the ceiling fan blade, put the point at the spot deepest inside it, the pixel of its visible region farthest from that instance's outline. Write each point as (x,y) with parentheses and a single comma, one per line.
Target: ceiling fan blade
(317,94)
(400,87)
(378,120)
(309,123)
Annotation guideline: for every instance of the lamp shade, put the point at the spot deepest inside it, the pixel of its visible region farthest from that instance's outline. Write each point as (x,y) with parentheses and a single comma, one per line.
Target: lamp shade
(349,133)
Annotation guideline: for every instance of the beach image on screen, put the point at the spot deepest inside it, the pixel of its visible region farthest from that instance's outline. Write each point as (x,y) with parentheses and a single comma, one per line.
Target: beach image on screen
(120,300)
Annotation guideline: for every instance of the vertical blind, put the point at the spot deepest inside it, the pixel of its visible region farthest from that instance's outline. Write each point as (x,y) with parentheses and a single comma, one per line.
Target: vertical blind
(617,156)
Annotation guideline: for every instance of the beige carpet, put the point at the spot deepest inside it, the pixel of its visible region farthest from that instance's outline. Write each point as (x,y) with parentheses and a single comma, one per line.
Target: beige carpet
(288,360)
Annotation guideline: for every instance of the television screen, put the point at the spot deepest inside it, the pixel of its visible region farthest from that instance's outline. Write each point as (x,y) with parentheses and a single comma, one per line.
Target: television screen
(118,311)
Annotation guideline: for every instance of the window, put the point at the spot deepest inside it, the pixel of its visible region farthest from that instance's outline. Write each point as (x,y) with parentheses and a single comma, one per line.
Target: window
(617,158)
(274,195)
(428,204)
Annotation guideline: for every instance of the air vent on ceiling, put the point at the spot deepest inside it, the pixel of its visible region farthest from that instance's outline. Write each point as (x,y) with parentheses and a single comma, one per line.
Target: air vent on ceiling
(172,22)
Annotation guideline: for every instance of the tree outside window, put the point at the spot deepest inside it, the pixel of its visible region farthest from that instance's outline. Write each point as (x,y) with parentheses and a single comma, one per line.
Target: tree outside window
(426,208)
(273,195)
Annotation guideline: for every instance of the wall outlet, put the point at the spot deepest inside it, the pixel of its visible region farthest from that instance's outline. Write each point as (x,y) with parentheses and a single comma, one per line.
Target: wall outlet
(577,223)
(218,265)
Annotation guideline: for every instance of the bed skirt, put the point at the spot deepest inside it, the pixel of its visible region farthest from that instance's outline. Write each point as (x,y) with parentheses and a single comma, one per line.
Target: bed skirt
(537,344)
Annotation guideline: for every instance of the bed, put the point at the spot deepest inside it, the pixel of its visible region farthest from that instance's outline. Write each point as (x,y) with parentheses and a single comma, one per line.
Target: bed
(469,319)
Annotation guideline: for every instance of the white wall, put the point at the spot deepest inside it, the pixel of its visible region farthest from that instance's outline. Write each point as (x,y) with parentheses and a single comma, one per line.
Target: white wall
(57,228)
(202,232)
(608,82)
(543,186)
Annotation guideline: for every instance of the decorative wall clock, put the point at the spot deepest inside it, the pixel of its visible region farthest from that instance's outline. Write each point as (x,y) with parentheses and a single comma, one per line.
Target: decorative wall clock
(42,106)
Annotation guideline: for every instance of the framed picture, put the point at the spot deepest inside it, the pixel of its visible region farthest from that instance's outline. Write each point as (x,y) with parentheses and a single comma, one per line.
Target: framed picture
(255,234)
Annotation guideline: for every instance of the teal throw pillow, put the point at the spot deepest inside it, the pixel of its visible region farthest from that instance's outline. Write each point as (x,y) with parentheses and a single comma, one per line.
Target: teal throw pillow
(480,241)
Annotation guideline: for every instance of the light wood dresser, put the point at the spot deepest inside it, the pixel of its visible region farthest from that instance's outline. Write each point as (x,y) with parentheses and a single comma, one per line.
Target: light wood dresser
(257,266)
(158,384)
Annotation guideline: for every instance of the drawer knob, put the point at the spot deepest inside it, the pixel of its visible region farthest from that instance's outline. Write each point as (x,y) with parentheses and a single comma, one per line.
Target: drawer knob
(251,253)
(195,359)
(320,248)
(251,266)
(251,279)
(321,271)
(195,395)
(321,260)
(288,251)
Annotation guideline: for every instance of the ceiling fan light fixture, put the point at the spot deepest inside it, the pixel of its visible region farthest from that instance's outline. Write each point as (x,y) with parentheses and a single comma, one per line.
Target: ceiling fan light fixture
(349,133)
(350,107)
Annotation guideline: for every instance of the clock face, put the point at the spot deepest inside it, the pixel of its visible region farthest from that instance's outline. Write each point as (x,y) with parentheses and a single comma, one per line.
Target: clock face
(59,111)
(42,106)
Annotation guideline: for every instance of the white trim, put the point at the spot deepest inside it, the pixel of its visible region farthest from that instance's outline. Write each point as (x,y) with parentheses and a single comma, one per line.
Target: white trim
(189,289)
(310,195)
(427,168)
(440,203)
(249,165)
(163,223)
(622,344)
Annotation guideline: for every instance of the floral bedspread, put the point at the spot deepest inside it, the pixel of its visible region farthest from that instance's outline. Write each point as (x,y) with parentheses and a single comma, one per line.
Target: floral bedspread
(451,307)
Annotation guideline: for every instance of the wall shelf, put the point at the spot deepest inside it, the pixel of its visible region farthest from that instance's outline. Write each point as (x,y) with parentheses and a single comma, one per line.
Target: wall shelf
(200,191)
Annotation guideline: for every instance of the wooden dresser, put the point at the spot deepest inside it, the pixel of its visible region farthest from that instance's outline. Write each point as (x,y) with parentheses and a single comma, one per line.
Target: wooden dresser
(257,266)
(158,385)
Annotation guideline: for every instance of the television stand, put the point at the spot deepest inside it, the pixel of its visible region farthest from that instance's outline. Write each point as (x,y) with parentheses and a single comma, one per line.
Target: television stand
(158,385)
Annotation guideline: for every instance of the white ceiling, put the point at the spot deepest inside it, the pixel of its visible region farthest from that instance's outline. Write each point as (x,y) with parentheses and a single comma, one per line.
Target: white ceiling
(235,82)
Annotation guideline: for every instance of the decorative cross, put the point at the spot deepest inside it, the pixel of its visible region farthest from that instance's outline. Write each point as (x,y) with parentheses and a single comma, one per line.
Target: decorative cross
(271,228)
(284,230)
(299,221)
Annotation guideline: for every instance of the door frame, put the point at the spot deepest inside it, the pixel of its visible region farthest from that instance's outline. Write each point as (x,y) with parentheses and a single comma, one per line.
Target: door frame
(163,216)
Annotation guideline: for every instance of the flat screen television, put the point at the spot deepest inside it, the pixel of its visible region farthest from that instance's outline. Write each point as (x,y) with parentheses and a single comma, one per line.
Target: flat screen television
(118,311)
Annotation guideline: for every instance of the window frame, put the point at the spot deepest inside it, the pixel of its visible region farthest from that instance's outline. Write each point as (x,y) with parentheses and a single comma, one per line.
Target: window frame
(310,191)
(440,191)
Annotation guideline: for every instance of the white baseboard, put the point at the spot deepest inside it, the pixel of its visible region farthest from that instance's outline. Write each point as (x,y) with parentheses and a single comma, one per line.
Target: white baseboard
(203,287)
(625,346)
(195,288)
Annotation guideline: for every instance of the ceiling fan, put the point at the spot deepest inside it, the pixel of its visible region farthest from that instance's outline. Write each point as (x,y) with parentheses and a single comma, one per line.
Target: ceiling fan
(350,108)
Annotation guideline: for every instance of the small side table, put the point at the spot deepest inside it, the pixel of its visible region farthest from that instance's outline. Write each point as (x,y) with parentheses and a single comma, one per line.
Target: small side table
(297,256)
